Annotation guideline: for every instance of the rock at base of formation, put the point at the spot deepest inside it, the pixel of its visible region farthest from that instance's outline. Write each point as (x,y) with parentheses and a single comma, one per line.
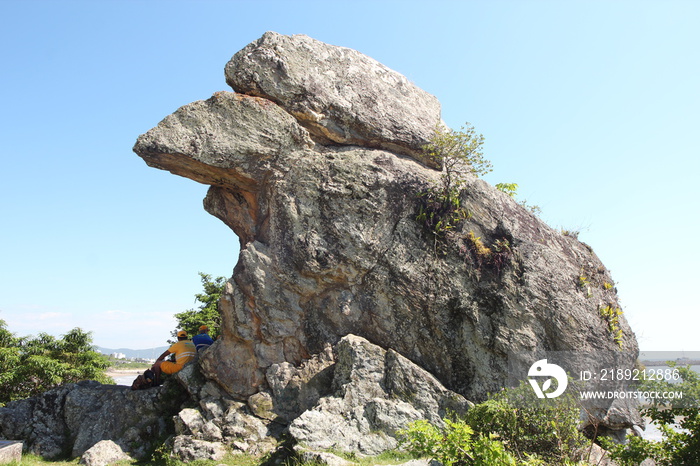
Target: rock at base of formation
(103,453)
(376,393)
(69,420)
(344,314)
(353,397)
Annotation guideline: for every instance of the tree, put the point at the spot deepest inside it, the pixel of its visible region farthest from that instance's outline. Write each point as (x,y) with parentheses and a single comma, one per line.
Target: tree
(678,418)
(32,365)
(208,311)
(460,154)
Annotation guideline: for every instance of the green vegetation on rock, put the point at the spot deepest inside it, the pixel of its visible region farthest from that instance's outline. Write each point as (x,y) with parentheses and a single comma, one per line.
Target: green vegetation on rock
(459,153)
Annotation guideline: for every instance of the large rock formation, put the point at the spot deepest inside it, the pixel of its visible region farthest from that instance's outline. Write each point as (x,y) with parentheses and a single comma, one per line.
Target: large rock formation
(344,319)
(329,241)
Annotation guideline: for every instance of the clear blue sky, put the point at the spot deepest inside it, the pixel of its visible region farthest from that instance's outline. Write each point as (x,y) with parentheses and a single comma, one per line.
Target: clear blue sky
(590,106)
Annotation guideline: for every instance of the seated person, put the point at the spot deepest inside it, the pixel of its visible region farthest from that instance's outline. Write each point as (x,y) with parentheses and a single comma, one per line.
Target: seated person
(202,340)
(184,352)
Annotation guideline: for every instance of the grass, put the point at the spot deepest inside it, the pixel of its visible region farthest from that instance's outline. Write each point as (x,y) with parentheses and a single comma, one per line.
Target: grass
(386,458)
(241,459)
(33,460)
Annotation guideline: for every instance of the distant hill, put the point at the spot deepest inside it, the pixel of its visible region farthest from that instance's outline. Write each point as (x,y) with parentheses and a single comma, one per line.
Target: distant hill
(149,353)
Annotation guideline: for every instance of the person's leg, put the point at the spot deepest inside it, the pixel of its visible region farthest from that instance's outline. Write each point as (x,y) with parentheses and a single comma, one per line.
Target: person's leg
(164,367)
(156,368)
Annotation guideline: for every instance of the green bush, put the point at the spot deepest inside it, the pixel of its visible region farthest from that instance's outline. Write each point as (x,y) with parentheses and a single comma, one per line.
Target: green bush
(529,426)
(32,365)
(511,427)
(455,443)
(678,420)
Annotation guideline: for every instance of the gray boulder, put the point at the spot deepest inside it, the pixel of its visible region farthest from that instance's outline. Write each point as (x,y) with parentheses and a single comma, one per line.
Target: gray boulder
(71,419)
(338,94)
(377,392)
(187,448)
(103,453)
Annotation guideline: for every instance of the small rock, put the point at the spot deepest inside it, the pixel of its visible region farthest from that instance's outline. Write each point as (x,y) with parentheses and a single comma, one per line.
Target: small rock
(320,457)
(186,448)
(103,453)
(10,450)
(262,406)
(189,422)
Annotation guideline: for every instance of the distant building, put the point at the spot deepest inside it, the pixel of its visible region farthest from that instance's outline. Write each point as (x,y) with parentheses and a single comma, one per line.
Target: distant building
(144,360)
(118,355)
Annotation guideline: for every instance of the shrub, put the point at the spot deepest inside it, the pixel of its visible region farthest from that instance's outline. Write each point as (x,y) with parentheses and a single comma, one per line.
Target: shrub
(678,420)
(529,426)
(455,444)
(459,153)
(32,365)
(513,427)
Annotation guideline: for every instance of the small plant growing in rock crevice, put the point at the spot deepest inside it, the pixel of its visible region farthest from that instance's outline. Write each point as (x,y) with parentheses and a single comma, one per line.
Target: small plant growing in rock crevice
(496,256)
(611,315)
(440,209)
(570,233)
(511,189)
(585,285)
(477,246)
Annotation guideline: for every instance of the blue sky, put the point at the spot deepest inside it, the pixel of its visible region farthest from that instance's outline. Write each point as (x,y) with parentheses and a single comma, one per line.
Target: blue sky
(590,106)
